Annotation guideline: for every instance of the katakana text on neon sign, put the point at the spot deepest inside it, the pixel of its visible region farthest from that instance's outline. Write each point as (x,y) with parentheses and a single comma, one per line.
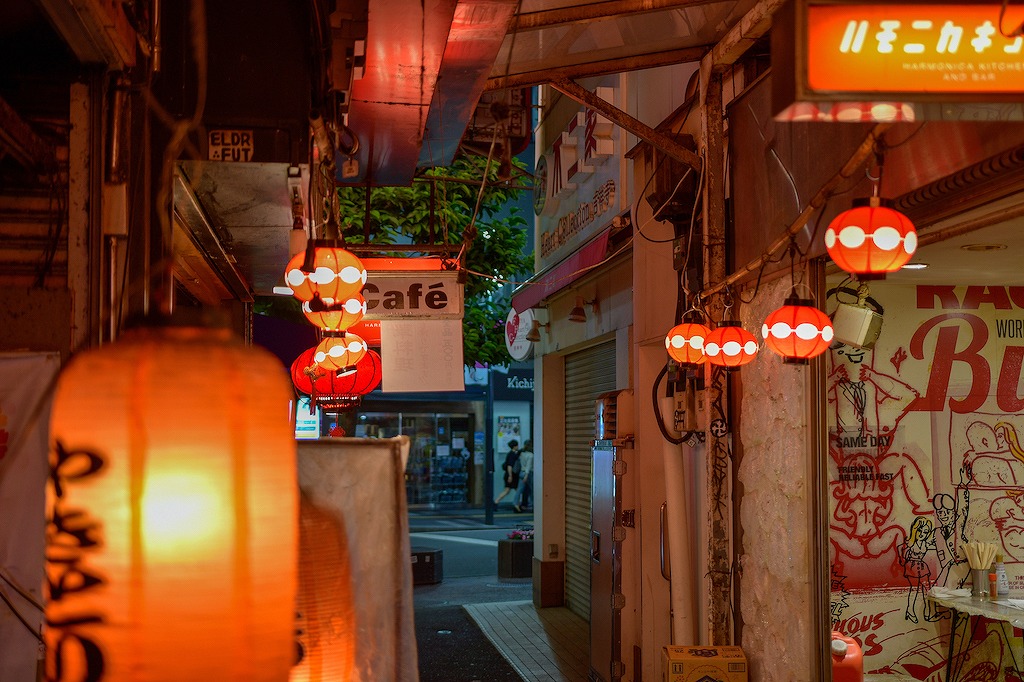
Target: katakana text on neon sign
(896,48)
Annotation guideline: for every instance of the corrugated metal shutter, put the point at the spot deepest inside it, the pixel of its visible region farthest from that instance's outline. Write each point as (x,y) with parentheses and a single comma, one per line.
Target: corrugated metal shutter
(588,374)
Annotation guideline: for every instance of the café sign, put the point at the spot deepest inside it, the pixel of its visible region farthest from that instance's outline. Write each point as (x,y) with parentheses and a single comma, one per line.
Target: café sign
(413,294)
(904,51)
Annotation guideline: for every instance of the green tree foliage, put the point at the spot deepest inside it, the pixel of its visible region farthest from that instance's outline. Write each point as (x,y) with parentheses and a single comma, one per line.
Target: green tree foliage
(439,210)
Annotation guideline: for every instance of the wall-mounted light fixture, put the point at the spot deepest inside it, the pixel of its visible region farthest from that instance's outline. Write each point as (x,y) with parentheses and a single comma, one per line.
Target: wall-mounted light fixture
(533,336)
(578,314)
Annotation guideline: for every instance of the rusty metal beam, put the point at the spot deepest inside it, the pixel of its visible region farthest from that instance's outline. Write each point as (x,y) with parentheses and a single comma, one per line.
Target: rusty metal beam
(596,10)
(18,140)
(598,68)
(623,120)
(754,25)
(719,446)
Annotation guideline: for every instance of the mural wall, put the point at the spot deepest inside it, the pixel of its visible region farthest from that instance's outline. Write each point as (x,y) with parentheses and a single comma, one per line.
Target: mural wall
(925,455)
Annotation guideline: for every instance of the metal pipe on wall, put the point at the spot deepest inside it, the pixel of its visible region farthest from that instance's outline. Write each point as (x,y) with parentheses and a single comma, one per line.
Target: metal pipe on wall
(679,516)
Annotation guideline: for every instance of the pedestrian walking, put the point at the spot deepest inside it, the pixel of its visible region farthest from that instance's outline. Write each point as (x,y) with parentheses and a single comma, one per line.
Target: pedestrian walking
(510,467)
(524,493)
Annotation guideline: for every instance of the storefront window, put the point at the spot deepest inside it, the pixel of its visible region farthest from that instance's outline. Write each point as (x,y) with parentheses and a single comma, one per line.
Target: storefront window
(441,454)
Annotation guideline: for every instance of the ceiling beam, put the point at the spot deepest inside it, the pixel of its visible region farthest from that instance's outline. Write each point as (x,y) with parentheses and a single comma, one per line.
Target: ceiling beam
(598,68)
(623,120)
(754,25)
(608,9)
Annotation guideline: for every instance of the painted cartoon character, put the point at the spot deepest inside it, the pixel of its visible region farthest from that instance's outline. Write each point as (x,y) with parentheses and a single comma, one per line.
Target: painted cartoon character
(913,554)
(946,535)
(995,459)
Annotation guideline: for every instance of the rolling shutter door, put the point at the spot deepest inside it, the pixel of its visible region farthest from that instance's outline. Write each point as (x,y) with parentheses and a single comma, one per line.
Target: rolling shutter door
(588,374)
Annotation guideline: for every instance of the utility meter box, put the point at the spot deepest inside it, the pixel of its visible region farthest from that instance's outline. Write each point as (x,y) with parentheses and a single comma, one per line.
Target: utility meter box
(704,664)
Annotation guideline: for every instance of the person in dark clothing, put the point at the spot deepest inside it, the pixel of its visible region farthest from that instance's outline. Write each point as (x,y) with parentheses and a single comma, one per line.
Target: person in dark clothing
(510,467)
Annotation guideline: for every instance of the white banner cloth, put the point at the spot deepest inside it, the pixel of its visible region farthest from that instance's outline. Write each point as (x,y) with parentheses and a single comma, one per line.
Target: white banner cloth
(25,383)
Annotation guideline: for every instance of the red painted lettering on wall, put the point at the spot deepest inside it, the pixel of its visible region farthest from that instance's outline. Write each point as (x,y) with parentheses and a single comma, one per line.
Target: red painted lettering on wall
(945,354)
(1000,298)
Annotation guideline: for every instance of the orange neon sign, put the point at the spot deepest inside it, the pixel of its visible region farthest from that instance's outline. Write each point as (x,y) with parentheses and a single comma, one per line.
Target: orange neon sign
(909,48)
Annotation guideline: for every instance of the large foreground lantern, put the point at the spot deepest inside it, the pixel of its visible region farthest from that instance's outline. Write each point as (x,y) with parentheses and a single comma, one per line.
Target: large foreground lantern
(172,512)
(729,345)
(685,343)
(871,239)
(797,331)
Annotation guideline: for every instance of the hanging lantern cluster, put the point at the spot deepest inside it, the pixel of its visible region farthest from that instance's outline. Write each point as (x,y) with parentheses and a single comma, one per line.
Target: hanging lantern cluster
(797,331)
(328,280)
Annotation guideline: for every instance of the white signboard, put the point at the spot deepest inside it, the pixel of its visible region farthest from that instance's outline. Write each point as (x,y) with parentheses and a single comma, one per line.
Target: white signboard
(418,295)
(422,356)
(517,326)
(24,416)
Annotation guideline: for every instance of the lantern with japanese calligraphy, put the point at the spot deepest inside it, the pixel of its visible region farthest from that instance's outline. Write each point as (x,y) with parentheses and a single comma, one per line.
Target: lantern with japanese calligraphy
(685,343)
(172,512)
(729,345)
(871,239)
(797,331)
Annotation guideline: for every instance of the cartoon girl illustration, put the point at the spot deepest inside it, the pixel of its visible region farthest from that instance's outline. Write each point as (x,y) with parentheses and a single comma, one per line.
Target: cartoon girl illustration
(913,552)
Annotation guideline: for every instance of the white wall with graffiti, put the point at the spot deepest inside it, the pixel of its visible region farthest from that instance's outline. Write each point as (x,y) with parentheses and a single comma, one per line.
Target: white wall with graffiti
(925,455)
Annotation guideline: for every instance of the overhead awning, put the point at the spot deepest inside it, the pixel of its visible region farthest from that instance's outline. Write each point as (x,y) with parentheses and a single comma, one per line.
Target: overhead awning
(562,274)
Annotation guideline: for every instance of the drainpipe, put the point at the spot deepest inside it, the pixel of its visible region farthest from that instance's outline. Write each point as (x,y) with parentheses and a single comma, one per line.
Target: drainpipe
(677,543)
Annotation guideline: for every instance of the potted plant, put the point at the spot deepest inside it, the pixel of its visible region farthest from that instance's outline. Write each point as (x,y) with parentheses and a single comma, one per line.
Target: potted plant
(515,554)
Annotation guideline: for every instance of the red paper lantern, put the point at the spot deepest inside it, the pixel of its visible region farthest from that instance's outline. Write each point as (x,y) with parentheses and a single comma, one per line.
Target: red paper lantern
(333,273)
(685,343)
(327,388)
(172,539)
(340,352)
(797,331)
(332,316)
(871,239)
(729,345)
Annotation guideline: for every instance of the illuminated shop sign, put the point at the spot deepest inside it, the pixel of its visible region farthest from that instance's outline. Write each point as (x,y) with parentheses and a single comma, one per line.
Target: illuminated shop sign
(902,53)
(575,189)
(914,49)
